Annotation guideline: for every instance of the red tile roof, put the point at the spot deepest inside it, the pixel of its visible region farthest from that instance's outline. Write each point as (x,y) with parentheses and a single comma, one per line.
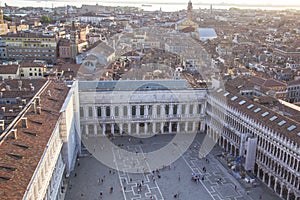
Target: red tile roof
(9,69)
(19,157)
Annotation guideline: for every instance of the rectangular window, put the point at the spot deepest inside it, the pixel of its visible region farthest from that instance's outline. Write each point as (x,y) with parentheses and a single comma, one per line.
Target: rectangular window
(90,111)
(116,111)
(158,109)
(183,109)
(133,110)
(191,109)
(175,107)
(125,111)
(142,110)
(167,109)
(99,112)
(107,112)
(81,112)
(199,108)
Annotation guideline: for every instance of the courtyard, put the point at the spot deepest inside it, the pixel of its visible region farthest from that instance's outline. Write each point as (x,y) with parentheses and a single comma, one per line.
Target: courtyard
(93,180)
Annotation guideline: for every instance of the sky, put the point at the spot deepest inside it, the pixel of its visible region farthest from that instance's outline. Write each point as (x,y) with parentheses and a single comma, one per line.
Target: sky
(49,3)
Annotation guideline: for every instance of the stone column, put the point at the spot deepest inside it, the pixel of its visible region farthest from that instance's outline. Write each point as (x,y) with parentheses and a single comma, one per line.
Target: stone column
(129,129)
(103,129)
(171,110)
(202,108)
(202,126)
(153,127)
(163,110)
(138,113)
(275,185)
(103,113)
(179,109)
(137,128)
(194,126)
(95,129)
(121,111)
(281,190)
(178,127)
(95,115)
(288,194)
(86,129)
(186,126)
(146,128)
(121,129)
(162,127)
(129,113)
(146,110)
(112,111)
(170,127)
(154,111)
(112,129)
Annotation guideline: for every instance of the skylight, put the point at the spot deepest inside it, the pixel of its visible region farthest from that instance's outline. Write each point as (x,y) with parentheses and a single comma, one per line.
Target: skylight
(291,127)
(281,122)
(250,106)
(234,98)
(273,118)
(265,114)
(257,110)
(226,94)
(242,102)
(220,90)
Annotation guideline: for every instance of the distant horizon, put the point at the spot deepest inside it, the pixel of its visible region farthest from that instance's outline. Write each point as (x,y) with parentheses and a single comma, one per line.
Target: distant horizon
(168,5)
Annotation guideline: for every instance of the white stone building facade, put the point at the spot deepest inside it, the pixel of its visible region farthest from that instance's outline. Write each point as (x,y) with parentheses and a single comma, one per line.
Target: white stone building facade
(140,107)
(229,118)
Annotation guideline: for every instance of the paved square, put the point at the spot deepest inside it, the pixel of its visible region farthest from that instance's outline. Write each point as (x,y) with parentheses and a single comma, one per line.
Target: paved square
(91,177)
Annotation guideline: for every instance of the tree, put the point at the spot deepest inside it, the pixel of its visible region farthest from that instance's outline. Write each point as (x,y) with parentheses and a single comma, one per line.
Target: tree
(46,19)
(7,18)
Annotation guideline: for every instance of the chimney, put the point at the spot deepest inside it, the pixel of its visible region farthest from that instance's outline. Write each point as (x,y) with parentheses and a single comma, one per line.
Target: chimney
(2,125)
(33,104)
(24,122)
(3,109)
(7,87)
(38,101)
(39,110)
(14,134)
(24,101)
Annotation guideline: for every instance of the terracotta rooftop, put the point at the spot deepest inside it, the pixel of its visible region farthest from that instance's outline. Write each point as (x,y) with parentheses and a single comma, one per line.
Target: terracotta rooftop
(19,157)
(9,69)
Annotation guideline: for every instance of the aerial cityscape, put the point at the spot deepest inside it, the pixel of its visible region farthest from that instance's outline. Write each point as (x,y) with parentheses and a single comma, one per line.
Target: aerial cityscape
(131,100)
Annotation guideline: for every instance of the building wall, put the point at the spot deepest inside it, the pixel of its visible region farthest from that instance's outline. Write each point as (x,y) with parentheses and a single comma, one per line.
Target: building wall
(69,129)
(277,159)
(49,172)
(64,52)
(293,93)
(29,46)
(145,115)
(33,72)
